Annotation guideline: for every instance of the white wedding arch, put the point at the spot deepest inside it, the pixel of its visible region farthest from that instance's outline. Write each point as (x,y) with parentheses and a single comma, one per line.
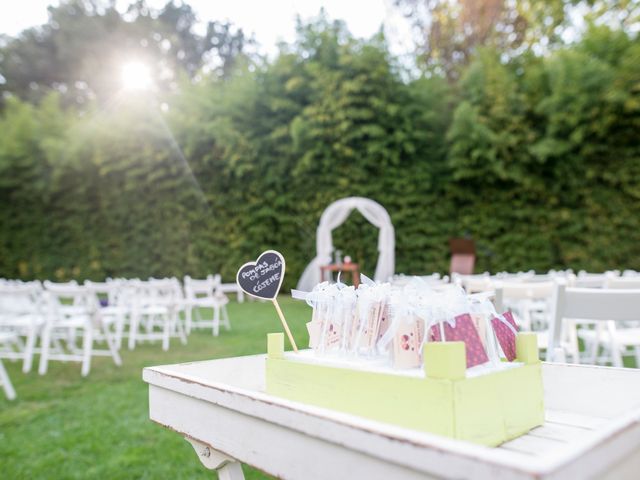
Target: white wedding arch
(334,216)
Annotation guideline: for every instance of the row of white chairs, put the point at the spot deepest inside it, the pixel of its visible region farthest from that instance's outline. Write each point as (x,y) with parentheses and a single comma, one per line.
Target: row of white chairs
(531,297)
(433,280)
(485,281)
(535,303)
(101,314)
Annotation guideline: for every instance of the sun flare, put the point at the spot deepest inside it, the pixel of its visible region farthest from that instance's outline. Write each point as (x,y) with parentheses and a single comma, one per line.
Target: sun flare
(136,76)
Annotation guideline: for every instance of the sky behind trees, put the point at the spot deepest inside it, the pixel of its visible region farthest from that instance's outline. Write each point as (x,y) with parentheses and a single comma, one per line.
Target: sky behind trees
(270,21)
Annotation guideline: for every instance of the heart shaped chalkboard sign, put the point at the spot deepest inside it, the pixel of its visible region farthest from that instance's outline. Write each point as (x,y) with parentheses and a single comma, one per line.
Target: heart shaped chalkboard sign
(262,278)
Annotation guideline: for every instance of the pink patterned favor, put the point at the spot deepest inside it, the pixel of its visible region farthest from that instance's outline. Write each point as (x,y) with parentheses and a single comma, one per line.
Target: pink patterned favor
(505,335)
(464,331)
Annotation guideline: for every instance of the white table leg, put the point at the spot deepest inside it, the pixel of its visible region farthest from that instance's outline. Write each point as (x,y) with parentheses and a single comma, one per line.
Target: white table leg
(227,467)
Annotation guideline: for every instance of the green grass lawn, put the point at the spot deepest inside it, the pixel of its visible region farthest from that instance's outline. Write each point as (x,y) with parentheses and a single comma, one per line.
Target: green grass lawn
(65,426)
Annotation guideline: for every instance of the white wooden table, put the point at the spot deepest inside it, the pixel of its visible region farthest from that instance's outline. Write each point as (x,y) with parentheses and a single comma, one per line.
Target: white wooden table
(592,429)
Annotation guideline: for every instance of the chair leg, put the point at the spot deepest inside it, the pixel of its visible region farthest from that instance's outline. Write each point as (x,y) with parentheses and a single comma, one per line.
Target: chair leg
(112,344)
(198,316)
(6,383)
(187,313)
(44,350)
(216,320)
(148,322)
(593,347)
(71,339)
(180,330)
(166,332)
(120,319)
(133,330)
(559,355)
(87,347)
(28,349)
(574,346)
(616,354)
(225,317)
(57,345)
(18,344)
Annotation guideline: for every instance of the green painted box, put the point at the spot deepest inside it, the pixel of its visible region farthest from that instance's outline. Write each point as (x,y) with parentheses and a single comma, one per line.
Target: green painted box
(488,409)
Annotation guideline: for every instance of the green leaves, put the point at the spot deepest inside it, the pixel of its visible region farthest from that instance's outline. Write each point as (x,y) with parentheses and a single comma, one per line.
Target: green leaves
(547,139)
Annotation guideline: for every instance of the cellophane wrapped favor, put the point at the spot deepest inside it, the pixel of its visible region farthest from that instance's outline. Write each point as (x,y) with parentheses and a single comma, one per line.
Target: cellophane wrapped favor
(392,324)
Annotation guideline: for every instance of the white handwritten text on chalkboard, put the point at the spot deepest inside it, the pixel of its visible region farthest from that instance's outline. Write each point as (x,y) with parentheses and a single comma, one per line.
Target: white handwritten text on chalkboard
(263,277)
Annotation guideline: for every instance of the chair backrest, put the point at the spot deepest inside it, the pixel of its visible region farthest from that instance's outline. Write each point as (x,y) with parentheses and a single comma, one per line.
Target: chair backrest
(514,290)
(474,283)
(70,294)
(105,290)
(165,291)
(551,275)
(196,288)
(70,283)
(433,279)
(622,283)
(100,287)
(127,292)
(217,283)
(593,304)
(510,276)
(20,298)
(592,280)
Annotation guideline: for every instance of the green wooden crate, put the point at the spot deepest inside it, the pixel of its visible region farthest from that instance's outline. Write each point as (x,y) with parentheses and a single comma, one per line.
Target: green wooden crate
(487,409)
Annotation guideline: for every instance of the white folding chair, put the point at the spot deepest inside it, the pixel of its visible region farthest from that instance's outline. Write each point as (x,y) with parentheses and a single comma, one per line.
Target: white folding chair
(72,309)
(231,287)
(5,381)
(512,277)
(21,313)
(592,280)
(473,283)
(595,305)
(205,294)
(114,303)
(155,315)
(627,334)
(529,302)
(550,276)
(435,279)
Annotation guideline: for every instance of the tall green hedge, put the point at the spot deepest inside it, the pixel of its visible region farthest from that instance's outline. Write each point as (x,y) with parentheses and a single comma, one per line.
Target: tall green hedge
(538,159)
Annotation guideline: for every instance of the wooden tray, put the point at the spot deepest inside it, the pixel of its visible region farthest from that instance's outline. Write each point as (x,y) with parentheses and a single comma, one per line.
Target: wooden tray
(489,408)
(591,429)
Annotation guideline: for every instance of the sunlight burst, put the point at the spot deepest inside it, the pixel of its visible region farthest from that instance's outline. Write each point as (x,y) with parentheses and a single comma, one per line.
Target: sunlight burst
(136,76)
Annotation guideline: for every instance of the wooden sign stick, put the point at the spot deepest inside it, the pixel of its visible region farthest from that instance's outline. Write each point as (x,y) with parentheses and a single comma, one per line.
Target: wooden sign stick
(285,325)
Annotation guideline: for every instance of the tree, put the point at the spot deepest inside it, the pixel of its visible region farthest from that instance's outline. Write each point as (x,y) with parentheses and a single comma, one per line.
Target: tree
(451,31)
(542,158)
(80,51)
